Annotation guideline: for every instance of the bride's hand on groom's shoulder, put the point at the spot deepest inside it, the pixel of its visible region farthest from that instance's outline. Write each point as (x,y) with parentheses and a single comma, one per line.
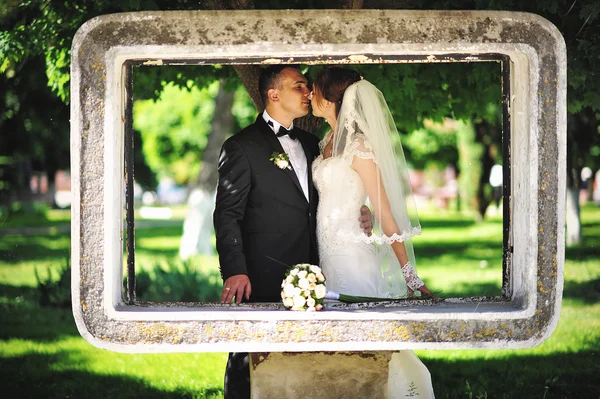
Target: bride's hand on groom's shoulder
(236,287)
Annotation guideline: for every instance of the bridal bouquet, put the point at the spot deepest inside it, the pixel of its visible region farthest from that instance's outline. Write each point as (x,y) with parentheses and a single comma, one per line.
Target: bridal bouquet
(304,289)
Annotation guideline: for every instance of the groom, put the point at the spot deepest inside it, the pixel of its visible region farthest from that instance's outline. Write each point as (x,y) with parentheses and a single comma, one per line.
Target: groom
(265,212)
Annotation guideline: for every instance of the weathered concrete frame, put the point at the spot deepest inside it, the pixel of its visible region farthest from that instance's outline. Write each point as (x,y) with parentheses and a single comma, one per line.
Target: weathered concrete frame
(103,46)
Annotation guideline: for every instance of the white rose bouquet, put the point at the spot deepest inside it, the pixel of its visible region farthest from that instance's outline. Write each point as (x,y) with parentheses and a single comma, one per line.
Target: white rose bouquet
(304,289)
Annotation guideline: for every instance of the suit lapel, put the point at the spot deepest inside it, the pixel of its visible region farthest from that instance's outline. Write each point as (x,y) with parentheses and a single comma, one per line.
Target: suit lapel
(276,146)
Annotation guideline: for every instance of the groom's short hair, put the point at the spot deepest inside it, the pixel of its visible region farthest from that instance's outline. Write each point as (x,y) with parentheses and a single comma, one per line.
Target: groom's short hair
(269,79)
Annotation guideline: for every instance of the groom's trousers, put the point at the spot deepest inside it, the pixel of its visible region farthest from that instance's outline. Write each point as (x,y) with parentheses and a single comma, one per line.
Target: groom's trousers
(237,376)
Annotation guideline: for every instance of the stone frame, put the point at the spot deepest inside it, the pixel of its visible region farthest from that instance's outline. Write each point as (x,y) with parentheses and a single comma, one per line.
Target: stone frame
(525,316)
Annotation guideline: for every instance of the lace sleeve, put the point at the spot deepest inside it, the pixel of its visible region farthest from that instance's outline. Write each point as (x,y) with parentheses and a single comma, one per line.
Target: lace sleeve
(360,147)
(325,140)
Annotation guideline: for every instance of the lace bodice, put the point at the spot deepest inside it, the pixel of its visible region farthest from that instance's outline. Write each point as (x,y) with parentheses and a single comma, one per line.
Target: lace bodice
(338,213)
(338,230)
(343,209)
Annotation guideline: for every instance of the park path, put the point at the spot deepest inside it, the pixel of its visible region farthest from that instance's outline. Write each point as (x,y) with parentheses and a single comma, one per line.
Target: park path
(66,228)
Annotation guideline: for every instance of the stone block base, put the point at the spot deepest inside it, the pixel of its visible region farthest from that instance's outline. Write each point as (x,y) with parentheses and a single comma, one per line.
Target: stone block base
(334,375)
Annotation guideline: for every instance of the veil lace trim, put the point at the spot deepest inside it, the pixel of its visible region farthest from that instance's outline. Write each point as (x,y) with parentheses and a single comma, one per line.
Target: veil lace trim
(325,140)
(380,239)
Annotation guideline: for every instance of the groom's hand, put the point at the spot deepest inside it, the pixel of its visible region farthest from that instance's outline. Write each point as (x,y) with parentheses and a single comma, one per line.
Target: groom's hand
(366,220)
(237,287)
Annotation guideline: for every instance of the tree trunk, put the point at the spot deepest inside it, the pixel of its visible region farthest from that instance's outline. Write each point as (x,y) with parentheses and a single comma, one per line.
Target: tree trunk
(469,159)
(222,125)
(249,75)
(573,216)
(310,123)
(577,147)
(197,227)
(574,230)
(483,133)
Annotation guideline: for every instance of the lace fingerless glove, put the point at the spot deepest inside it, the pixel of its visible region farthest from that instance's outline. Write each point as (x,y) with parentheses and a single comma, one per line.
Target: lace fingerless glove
(410,276)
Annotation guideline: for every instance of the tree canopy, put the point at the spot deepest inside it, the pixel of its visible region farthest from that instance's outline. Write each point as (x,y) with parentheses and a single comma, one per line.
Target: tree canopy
(36,36)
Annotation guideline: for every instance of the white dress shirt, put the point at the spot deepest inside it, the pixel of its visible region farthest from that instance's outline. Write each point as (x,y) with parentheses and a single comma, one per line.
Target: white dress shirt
(294,150)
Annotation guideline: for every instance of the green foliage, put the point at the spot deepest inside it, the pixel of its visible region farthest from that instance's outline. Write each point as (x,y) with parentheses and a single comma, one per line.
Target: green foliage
(55,292)
(419,92)
(434,145)
(243,109)
(149,81)
(469,392)
(57,72)
(174,128)
(178,281)
(34,122)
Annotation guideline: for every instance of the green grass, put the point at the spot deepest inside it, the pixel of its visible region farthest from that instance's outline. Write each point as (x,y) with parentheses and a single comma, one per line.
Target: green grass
(36,217)
(458,256)
(43,356)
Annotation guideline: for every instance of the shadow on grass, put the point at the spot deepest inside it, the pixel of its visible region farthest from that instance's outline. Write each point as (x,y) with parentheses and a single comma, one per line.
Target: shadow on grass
(583,253)
(18,248)
(456,249)
(469,289)
(445,223)
(23,318)
(15,291)
(161,231)
(162,252)
(588,291)
(34,376)
(572,375)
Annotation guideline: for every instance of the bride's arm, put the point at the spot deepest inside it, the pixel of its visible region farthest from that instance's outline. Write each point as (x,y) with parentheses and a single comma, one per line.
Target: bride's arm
(367,170)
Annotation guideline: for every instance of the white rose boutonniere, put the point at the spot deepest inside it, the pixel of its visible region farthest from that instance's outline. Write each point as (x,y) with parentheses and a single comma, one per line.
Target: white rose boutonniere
(281,160)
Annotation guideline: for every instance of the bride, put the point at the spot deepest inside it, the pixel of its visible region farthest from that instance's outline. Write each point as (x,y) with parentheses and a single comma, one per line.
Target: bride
(361,160)
(358,161)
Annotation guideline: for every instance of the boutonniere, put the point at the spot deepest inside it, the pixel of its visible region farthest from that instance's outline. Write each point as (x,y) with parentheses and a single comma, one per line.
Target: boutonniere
(281,160)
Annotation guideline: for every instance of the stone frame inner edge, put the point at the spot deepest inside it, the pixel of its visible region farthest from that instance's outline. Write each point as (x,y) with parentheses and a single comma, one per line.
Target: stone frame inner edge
(517,54)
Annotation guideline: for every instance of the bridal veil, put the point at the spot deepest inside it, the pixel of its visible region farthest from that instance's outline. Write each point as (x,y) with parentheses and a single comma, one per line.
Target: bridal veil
(366,130)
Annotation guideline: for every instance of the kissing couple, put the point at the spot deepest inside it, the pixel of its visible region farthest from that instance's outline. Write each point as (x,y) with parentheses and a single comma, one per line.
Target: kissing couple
(284,198)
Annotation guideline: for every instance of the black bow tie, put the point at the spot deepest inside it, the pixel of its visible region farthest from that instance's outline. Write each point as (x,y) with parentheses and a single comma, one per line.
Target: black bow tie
(283,131)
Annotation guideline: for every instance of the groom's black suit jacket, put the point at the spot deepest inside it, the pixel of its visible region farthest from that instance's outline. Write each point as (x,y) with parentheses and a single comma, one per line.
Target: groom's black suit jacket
(261,211)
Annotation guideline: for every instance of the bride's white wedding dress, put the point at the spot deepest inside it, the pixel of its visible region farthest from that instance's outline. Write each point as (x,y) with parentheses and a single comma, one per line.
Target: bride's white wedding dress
(349,259)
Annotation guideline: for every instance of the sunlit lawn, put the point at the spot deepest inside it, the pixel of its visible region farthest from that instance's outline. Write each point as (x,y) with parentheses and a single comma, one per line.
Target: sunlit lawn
(43,356)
